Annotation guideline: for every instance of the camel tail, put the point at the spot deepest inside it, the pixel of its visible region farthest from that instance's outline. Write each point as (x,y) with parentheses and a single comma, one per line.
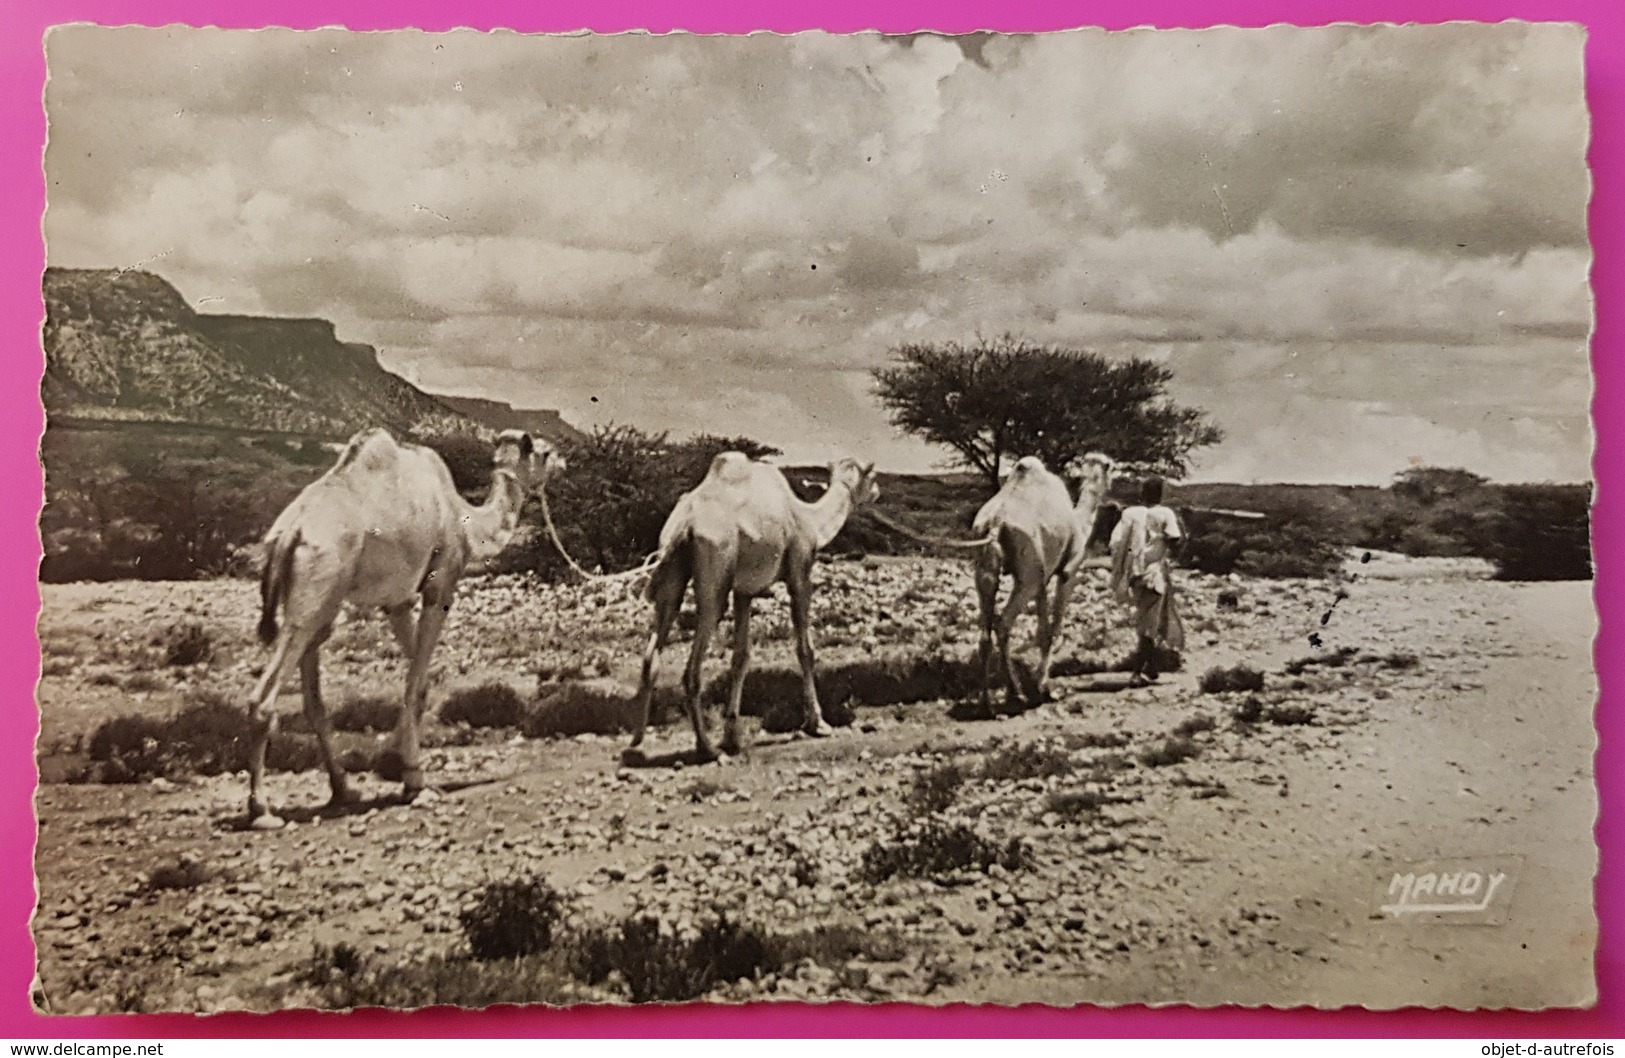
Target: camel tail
(274,582)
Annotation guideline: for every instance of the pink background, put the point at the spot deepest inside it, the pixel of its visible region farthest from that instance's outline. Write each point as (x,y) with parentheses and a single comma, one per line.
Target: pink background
(22,77)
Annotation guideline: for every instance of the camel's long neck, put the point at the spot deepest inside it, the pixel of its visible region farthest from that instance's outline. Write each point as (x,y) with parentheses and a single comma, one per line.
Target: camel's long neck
(825,515)
(491,525)
(1090,497)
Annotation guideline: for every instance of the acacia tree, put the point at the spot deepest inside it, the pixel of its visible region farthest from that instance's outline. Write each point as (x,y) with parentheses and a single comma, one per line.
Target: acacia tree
(1000,400)
(621,484)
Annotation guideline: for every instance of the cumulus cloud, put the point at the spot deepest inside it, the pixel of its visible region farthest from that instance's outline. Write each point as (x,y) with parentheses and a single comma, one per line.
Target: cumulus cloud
(1317,228)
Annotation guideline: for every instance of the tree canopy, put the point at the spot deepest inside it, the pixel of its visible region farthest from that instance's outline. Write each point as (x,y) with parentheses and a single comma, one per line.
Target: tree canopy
(999,400)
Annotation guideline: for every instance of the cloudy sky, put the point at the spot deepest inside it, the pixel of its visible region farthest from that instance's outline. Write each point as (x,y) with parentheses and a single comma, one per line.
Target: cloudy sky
(1356,248)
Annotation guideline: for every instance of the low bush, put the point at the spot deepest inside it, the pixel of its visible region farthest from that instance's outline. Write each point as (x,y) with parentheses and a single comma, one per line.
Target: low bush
(185,873)
(1026,761)
(188,643)
(1331,660)
(934,791)
(209,736)
(1074,804)
(493,704)
(585,707)
(344,979)
(662,967)
(1219,680)
(512,918)
(935,847)
(1544,533)
(369,714)
(140,682)
(1171,750)
(1250,711)
(1289,715)
(1196,725)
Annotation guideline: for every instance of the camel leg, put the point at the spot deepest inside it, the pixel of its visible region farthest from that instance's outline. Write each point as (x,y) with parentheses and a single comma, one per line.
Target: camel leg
(800,615)
(987,591)
(1047,637)
(429,624)
(709,606)
(316,713)
(1021,597)
(404,625)
(731,743)
(668,599)
(1041,636)
(403,622)
(262,721)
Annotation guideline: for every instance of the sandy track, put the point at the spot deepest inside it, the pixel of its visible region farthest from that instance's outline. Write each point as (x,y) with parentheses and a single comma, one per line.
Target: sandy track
(1261,895)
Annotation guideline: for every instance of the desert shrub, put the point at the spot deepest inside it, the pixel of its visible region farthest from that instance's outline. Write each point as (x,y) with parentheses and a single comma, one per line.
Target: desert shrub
(1544,534)
(139,682)
(936,847)
(1301,535)
(1096,740)
(129,748)
(1289,715)
(1074,804)
(1400,661)
(183,874)
(661,967)
(369,713)
(1196,725)
(512,918)
(1218,680)
(833,945)
(1334,659)
(466,456)
(701,790)
(774,692)
(934,790)
(1171,750)
(1424,541)
(493,704)
(209,736)
(591,707)
(785,715)
(1026,761)
(1093,664)
(132,505)
(622,483)
(299,752)
(469,984)
(1250,711)
(327,965)
(188,643)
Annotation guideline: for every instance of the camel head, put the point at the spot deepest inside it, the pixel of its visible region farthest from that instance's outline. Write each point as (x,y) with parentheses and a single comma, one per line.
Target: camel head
(1095,473)
(530,464)
(859,479)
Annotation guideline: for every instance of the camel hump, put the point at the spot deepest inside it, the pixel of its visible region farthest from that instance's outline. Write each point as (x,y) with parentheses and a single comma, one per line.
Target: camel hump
(731,467)
(1028,465)
(365,447)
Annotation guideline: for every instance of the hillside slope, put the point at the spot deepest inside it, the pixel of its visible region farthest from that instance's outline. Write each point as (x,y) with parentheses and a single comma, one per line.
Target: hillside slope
(125,346)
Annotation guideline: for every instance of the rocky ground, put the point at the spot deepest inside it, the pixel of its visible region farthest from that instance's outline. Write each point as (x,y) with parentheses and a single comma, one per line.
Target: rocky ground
(1173,851)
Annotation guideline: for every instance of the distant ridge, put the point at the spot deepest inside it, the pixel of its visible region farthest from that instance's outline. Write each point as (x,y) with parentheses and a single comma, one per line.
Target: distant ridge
(124,346)
(539,422)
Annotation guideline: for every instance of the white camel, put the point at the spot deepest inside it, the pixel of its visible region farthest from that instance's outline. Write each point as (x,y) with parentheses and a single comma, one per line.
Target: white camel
(383,528)
(1036,534)
(742,530)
